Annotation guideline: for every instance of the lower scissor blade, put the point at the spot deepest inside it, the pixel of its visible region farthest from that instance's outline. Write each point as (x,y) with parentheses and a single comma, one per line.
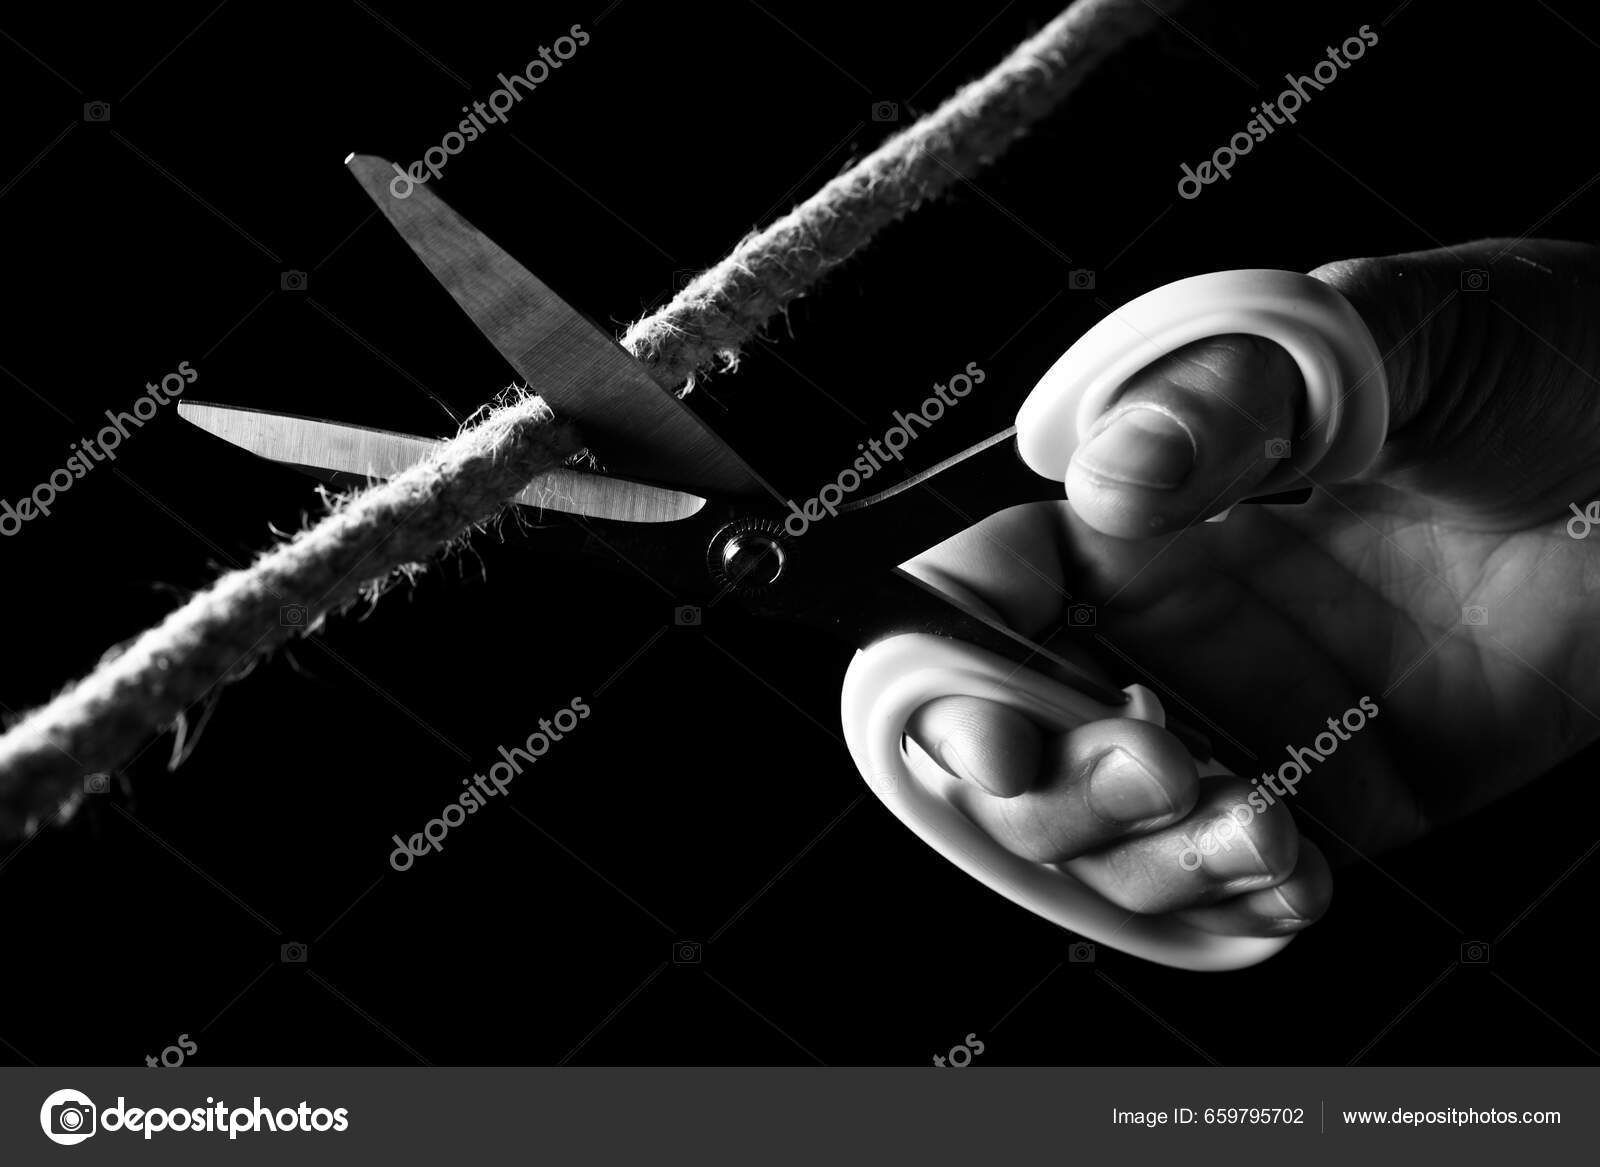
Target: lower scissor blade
(312,445)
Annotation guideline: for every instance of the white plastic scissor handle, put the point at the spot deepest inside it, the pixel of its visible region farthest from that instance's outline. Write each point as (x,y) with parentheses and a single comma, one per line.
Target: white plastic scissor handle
(1346,415)
(1344,423)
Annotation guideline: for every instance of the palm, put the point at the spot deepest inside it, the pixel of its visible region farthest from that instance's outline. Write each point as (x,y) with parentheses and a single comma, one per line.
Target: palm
(1274,622)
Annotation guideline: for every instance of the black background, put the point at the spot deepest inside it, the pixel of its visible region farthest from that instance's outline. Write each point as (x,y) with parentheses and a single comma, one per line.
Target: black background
(707,799)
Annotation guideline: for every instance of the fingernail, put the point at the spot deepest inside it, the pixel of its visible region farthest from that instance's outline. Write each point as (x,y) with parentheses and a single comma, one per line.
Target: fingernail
(1141,446)
(1285,912)
(1122,790)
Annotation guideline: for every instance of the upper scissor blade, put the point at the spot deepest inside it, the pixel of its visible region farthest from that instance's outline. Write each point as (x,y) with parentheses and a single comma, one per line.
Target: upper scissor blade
(637,427)
(314,445)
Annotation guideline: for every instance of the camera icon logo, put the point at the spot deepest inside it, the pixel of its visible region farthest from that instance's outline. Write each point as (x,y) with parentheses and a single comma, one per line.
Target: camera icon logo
(686,616)
(293,281)
(686,952)
(1475,952)
(886,111)
(293,953)
(67,1117)
(1082,616)
(1474,279)
(1081,953)
(1278,449)
(97,783)
(1475,616)
(292,616)
(1080,279)
(97,111)
(882,782)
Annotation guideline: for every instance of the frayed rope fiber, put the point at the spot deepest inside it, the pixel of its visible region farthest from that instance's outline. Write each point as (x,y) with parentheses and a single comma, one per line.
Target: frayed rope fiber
(217,636)
(220,633)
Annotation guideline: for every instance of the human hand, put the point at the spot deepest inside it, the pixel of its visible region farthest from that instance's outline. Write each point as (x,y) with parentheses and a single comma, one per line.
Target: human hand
(1444,591)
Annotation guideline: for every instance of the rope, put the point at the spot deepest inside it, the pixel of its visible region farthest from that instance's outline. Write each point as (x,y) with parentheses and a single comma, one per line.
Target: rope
(219,635)
(729,303)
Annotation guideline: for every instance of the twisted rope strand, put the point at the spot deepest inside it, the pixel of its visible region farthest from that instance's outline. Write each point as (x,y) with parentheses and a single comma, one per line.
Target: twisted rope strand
(728,304)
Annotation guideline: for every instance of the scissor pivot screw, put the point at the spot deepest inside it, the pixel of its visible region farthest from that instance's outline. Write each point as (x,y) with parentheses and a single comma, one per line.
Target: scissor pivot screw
(749,555)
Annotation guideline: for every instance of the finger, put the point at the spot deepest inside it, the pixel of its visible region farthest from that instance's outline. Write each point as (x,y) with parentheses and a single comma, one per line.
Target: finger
(980,741)
(1226,847)
(1296,903)
(1188,436)
(1088,788)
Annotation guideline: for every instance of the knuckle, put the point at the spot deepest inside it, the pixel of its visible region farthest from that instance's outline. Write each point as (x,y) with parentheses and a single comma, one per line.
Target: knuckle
(1029,830)
(1134,880)
(1237,359)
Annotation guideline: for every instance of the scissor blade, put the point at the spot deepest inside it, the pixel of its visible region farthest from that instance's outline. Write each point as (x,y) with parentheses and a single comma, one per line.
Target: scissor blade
(637,428)
(887,528)
(313,445)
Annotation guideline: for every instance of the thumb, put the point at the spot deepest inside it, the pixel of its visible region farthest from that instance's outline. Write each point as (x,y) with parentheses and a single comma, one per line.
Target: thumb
(1188,436)
(1491,359)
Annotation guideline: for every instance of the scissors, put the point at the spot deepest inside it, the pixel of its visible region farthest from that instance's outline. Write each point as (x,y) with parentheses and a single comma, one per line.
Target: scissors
(677,503)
